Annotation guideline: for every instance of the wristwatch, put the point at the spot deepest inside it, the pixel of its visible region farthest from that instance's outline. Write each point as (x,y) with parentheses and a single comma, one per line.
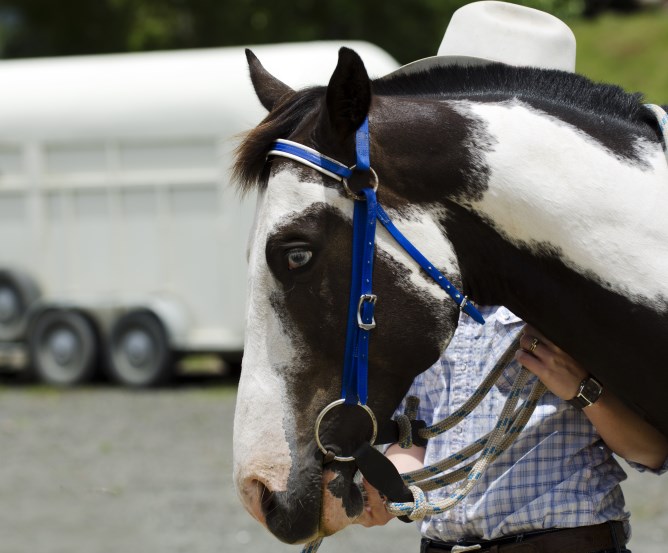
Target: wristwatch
(588,393)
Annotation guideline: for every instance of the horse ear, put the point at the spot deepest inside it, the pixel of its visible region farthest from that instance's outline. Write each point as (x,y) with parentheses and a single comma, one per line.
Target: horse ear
(268,88)
(348,94)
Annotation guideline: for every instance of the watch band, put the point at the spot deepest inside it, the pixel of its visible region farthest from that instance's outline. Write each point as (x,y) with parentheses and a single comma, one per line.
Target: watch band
(588,393)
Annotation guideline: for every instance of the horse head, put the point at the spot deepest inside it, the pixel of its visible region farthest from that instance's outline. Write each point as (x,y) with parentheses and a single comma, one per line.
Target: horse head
(299,282)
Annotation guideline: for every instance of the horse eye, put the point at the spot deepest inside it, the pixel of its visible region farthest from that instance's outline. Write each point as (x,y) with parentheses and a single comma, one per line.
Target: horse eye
(298,258)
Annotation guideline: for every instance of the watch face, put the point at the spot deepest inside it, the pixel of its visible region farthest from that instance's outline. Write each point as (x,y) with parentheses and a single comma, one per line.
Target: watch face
(591,390)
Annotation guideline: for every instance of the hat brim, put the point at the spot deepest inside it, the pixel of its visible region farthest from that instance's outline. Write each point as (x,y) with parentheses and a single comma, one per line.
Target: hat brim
(425,64)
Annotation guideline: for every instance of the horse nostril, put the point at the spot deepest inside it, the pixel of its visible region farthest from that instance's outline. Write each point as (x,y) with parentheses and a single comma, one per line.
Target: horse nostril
(267,502)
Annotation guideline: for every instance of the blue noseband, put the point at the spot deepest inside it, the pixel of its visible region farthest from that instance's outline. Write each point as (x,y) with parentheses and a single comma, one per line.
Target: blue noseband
(362,301)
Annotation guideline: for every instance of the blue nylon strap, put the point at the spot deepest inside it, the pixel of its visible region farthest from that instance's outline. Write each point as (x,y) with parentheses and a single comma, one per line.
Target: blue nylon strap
(317,160)
(356,363)
(362,142)
(421,260)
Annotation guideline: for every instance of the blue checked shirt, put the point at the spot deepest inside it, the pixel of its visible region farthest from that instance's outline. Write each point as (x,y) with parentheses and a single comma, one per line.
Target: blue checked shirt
(557,474)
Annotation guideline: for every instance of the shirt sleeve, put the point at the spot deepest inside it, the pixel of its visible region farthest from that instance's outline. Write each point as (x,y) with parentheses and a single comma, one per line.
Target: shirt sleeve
(642,468)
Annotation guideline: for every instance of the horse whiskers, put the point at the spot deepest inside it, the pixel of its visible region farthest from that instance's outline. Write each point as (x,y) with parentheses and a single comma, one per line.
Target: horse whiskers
(264,491)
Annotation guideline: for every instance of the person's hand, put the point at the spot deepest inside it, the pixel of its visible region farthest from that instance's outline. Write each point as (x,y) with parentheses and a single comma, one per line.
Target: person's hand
(560,373)
(374,513)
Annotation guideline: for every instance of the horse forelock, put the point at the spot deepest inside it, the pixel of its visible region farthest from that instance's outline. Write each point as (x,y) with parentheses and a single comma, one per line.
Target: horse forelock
(251,155)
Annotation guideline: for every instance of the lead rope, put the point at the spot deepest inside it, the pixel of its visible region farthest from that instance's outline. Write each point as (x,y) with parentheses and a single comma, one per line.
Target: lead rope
(405,435)
(510,423)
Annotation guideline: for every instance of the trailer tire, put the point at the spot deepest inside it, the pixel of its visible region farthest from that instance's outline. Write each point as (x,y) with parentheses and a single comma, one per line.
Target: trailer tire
(17,293)
(139,352)
(63,347)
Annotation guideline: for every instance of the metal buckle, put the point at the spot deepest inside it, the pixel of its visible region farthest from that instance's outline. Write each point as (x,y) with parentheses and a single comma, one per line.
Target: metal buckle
(463,304)
(326,410)
(371,298)
(351,194)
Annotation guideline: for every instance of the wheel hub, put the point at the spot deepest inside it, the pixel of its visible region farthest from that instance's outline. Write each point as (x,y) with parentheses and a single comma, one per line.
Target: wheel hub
(63,345)
(9,305)
(138,348)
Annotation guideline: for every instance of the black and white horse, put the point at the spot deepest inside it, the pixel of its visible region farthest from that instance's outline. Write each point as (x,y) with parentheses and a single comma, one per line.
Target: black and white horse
(535,189)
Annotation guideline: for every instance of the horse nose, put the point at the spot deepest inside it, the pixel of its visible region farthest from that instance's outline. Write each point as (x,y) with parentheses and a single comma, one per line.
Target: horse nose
(289,520)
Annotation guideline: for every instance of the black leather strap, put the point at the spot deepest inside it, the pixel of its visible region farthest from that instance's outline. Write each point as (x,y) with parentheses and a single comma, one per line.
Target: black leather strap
(379,471)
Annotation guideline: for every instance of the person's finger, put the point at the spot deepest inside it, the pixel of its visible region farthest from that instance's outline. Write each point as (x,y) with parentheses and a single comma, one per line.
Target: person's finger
(532,345)
(375,513)
(532,363)
(549,344)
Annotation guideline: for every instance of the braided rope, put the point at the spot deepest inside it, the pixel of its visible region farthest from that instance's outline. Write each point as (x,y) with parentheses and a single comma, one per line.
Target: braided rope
(404,422)
(483,389)
(430,474)
(420,504)
(510,423)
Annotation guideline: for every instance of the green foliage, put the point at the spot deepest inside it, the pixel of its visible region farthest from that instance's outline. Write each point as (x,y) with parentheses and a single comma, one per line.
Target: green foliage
(408,29)
(630,51)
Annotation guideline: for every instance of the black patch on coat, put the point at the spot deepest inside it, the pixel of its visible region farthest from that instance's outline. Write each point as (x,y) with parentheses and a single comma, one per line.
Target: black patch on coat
(353,504)
(604,331)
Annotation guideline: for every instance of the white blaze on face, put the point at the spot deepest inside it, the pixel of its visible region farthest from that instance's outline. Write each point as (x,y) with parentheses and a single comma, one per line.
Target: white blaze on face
(551,182)
(261,405)
(263,413)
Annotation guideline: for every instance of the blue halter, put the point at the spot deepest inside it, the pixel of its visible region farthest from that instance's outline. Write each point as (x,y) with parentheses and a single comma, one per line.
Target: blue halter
(362,301)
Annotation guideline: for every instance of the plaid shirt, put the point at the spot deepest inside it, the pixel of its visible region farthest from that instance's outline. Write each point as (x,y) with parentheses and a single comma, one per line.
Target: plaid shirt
(558,473)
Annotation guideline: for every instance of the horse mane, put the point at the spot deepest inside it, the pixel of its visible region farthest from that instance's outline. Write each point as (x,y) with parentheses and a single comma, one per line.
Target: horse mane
(554,91)
(526,83)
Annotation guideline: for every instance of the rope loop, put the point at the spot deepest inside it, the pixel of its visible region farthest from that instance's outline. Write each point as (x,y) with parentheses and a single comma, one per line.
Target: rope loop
(405,431)
(404,422)
(420,504)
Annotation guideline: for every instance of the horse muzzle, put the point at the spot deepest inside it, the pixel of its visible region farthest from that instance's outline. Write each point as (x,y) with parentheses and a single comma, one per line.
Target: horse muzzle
(320,505)
(290,516)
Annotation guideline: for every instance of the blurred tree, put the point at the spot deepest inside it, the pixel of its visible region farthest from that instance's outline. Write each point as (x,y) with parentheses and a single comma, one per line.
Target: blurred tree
(408,29)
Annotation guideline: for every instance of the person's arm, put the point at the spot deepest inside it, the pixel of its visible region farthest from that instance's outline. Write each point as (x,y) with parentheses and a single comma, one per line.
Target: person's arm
(623,430)
(406,460)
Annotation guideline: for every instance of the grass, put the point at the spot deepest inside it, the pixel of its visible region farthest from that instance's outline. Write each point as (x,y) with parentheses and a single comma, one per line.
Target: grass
(627,50)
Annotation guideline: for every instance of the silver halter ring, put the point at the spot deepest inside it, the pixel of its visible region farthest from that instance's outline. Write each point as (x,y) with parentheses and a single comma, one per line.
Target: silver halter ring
(326,410)
(351,194)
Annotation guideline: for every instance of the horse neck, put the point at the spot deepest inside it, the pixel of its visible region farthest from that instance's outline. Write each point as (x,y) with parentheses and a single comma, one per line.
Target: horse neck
(558,188)
(553,218)
(569,235)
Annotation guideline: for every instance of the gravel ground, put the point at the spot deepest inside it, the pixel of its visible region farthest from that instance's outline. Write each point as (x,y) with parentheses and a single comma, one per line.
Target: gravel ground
(104,470)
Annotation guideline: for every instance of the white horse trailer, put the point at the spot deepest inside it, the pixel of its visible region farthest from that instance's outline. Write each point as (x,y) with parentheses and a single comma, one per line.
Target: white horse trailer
(122,242)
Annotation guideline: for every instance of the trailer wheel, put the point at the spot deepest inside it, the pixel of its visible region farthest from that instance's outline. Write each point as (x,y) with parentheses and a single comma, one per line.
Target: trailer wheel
(17,292)
(63,347)
(140,356)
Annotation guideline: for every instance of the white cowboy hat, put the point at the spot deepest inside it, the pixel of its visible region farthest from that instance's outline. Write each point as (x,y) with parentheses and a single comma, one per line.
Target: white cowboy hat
(486,32)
